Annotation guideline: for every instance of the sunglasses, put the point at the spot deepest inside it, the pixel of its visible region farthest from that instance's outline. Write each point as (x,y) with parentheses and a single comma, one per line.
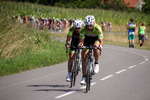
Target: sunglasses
(89,25)
(78,28)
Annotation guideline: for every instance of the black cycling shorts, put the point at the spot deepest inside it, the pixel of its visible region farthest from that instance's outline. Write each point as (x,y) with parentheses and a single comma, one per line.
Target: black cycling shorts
(90,40)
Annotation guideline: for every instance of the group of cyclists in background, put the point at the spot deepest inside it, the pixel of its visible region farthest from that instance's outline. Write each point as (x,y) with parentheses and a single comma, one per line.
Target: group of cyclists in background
(52,24)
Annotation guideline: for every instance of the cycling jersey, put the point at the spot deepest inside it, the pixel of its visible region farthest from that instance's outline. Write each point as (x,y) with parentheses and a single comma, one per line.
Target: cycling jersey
(75,38)
(97,31)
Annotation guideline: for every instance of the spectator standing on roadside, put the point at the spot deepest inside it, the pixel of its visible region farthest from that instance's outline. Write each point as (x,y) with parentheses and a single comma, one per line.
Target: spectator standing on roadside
(103,25)
(142,33)
(109,26)
(131,33)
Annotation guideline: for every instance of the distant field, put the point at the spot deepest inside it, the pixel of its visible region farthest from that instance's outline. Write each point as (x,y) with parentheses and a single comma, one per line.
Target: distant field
(7,9)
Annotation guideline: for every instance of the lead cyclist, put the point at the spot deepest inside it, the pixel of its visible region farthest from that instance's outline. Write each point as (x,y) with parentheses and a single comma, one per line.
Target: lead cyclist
(91,33)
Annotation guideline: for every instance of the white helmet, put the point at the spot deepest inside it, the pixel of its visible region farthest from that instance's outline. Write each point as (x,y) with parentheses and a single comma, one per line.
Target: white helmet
(89,20)
(77,23)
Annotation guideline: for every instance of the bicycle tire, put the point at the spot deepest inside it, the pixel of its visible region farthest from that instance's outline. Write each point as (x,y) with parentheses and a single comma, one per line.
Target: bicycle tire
(72,75)
(88,83)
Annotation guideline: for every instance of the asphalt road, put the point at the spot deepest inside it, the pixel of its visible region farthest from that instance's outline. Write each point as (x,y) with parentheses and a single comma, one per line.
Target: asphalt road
(124,75)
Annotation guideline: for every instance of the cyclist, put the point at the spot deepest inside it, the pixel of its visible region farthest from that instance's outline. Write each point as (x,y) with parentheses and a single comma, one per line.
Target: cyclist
(131,32)
(72,35)
(91,33)
(103,25)
(142,33)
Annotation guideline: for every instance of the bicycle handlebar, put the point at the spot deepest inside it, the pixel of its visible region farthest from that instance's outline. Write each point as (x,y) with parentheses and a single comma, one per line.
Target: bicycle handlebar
(91,47)
(85,47)
(74,47)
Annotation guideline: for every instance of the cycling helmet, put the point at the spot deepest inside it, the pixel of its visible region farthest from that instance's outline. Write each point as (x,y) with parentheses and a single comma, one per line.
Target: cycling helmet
(89,20)
(77,23)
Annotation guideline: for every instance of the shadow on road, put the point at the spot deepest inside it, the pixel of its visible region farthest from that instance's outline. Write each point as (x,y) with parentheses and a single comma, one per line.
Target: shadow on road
(54,86)
(64,88)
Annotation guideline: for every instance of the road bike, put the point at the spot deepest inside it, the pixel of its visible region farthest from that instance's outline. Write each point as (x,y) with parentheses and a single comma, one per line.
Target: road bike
(89,66)
(75,65)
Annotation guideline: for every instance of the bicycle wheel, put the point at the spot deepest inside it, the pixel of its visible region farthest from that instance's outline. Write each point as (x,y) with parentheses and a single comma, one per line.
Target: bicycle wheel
(88,81)
(72,76)
(77,66)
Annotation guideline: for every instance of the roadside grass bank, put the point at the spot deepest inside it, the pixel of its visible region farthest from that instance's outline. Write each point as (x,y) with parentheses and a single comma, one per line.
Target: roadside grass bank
(22,48)
(32,60)
(122,40)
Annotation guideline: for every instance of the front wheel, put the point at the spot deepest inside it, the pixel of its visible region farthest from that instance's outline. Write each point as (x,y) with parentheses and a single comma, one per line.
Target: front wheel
(88,75)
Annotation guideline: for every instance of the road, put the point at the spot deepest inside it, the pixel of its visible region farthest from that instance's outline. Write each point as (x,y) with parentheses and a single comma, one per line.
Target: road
(124,75)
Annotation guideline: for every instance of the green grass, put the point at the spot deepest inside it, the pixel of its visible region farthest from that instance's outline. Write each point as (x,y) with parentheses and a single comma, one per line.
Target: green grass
(22,48)
(122,40)
(32,60)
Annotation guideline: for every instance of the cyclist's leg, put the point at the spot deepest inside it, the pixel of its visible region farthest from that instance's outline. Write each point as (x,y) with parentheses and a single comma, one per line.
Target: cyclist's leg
(70,62)
(84,61)
(96,51)
(96,56)
(71,54)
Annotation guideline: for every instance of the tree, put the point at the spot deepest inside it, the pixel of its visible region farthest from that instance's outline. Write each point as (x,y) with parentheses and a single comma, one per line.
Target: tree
(146,6)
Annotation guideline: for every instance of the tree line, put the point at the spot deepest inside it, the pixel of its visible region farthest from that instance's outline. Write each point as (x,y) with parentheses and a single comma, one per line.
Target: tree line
(105,4)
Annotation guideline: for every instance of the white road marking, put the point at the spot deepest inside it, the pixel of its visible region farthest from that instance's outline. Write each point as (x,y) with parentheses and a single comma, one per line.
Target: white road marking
(91,85)
(121,71)
(146,59)
(142,62)
(106,77)
(71,92)
(63,95)
(132,66)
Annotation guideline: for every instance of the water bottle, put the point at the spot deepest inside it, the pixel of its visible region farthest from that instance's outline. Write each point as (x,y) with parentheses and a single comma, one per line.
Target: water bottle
(146,38)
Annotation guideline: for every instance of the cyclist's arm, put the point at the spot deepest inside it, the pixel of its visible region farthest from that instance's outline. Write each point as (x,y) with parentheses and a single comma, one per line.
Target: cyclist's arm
(81,41)
(81,38)
(68,39)
(101,42)
(100,36)
(69,36)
